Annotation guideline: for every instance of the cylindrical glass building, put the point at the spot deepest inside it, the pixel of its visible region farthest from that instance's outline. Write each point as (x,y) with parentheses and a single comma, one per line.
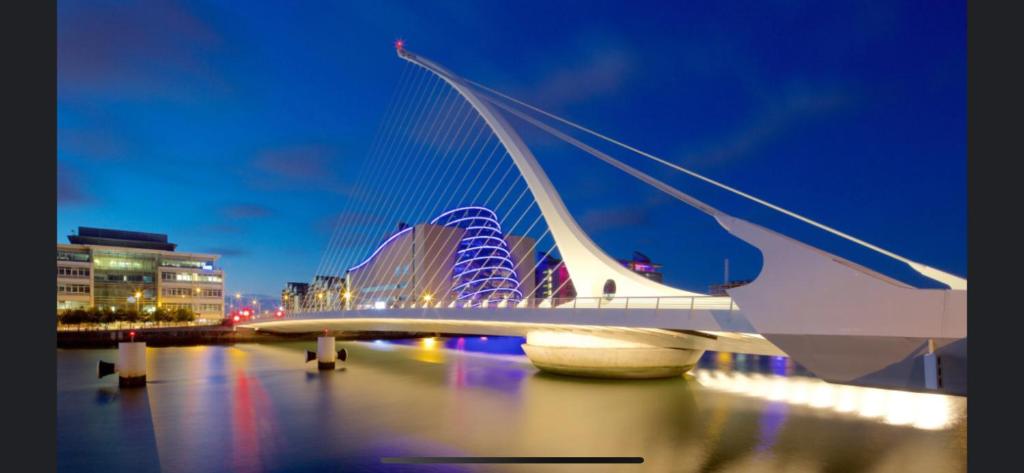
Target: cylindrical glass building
(484,271)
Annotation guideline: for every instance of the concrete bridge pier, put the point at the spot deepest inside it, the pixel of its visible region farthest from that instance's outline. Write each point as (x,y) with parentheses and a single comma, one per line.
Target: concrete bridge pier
(326,356)
(578,354)
(130,366)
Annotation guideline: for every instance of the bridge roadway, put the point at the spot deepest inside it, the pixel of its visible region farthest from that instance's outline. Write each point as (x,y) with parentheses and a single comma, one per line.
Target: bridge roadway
(700,323)
(858,352)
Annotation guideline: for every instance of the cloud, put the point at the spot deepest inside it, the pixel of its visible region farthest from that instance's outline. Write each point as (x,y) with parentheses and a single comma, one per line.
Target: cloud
(643,214)
(776,118)
(245,211)
(95,144)
(308,166)
(69,187)
(599,73)
(594,64)
(139,49)
(349,218)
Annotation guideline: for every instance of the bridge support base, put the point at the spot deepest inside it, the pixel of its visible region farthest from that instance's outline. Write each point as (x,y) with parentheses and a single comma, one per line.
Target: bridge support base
(599,357)
(325,353)
(130,366)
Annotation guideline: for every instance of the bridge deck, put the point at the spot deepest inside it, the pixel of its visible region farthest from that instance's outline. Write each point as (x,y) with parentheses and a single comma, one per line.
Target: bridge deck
(725,330)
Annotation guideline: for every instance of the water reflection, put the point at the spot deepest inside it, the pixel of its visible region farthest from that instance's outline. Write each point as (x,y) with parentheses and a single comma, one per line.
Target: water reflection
(494,345)
(729,362)
(920,410)
(260,408)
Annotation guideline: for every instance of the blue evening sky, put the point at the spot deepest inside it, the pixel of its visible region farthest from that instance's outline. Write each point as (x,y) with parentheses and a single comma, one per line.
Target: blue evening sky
(236,127)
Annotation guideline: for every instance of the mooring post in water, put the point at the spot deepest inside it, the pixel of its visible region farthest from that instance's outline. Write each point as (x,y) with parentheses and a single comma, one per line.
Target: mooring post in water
(325,354)
(130,366)
(932,370)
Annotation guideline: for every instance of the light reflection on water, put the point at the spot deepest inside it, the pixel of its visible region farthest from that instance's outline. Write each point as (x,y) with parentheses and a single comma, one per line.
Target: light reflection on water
(921,410)
(260,408)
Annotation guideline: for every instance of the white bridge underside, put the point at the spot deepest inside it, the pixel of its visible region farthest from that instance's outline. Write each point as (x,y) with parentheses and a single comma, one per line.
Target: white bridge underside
(706,329)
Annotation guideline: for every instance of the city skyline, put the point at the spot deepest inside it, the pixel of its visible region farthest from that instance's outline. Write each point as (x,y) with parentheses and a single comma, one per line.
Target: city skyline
(243,143)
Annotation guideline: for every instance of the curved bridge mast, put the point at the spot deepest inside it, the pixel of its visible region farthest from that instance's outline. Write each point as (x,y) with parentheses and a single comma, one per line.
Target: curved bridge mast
(589,267)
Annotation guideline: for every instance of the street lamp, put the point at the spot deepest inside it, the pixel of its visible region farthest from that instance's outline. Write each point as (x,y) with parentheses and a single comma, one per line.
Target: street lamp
(138,300)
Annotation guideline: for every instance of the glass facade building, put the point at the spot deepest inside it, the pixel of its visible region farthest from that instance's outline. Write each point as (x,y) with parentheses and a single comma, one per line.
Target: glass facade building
(460,258)
(134,270)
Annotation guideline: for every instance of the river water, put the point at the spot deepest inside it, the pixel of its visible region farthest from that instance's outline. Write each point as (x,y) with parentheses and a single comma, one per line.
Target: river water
(258,407)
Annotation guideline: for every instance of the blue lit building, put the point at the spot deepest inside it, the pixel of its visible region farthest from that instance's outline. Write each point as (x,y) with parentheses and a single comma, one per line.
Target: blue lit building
(483,266)
(460,257)
(643,266)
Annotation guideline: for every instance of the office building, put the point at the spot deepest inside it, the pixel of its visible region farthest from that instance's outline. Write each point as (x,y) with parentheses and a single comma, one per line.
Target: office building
(122,270)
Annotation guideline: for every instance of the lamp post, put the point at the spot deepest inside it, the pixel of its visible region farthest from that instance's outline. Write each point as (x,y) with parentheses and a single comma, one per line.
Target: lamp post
(138,300)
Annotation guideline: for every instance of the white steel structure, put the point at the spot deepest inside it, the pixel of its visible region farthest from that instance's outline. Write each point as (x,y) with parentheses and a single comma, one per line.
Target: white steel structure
(590,267)
(845,322)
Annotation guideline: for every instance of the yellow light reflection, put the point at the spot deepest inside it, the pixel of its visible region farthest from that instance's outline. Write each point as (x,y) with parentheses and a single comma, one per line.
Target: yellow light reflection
(921,410)
(431,352)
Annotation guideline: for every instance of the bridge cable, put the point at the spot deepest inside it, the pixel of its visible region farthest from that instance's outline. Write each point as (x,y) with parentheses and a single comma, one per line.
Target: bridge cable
(382,171)
(386,135)
(917,266)
(439,137)
(424,211)
(374,148)
(387,168)
(375,167)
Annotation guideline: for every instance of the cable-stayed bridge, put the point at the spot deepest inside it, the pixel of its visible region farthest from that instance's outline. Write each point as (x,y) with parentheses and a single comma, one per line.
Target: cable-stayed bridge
(457,228)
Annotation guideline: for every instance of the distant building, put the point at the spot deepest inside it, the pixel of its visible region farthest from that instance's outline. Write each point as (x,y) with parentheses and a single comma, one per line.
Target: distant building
(324,293)
(108,268)
(719,289)
(643,266)
(461,256)
(293,294)
(553,281)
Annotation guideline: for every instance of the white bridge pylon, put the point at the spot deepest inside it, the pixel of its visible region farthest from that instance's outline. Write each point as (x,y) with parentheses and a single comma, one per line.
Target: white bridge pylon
(589,267)
(844,322)
(802,299)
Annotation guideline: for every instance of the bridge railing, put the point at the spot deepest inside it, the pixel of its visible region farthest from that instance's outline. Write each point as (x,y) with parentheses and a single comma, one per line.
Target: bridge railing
(620,302)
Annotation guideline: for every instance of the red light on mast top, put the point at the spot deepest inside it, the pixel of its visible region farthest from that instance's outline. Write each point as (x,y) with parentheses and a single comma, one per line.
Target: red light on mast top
(399,44)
